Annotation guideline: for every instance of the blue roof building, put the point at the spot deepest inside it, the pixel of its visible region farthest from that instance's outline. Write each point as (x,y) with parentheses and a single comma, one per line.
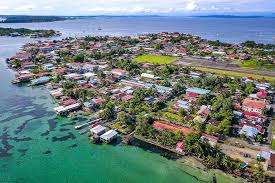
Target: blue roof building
(199,91)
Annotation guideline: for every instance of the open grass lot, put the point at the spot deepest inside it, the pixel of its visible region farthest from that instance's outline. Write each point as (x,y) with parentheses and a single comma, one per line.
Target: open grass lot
(235,74)
(155,59)
(253,64)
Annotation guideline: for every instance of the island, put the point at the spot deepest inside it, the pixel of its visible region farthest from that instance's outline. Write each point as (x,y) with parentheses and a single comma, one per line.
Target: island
(15,32)
(179,93)
(29,19)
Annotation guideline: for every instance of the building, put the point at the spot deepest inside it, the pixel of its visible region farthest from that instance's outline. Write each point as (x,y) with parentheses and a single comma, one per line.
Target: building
(119,72)
(48,67)
(109,136)
(249,131)
(254,106)
(198,91)
(98,130)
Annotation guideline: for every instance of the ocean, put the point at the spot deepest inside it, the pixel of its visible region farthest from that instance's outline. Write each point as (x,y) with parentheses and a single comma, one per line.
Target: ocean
(37,146)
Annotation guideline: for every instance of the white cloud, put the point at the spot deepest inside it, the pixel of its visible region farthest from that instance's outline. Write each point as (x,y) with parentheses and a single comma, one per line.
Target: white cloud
(86,7)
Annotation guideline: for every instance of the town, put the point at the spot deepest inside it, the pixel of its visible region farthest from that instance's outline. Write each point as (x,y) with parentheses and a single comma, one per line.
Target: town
(148,87)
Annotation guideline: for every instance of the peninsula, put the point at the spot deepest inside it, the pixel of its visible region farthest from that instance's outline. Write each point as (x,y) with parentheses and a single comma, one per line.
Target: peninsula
(178,92)
(28,32)
(29,19)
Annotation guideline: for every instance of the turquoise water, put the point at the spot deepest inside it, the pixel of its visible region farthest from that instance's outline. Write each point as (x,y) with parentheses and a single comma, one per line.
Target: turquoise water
(35,146)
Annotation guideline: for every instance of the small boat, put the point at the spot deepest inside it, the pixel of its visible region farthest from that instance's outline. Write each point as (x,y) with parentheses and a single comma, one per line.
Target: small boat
(99,28)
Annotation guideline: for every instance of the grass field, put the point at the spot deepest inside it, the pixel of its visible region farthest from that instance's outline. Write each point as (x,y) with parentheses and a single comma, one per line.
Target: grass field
(253,64)
(235,74)
(155,59)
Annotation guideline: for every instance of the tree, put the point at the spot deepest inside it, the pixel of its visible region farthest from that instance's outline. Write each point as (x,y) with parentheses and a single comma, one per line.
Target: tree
(191,140)
(249,88)
(108,112)
(79,58)
(258,173)
(178,89)
(159,47)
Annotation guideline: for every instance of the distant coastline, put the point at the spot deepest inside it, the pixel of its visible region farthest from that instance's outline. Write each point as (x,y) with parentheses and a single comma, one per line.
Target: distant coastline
(29,19)
(28,32)
(233,16)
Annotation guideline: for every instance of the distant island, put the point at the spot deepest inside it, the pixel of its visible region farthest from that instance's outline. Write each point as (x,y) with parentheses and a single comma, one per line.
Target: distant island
(29,19)
(28,32)
(230,16)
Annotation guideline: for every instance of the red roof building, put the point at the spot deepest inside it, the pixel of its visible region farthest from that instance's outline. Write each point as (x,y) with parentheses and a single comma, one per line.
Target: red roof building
(161,125)
(119,72)
(255,106)
(262,94)
(180,146)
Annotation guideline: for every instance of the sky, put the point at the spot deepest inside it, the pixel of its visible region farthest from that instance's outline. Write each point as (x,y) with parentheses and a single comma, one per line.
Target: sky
(134,7)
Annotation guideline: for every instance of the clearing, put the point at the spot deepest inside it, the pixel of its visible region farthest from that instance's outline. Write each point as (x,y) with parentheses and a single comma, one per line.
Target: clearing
(155,59)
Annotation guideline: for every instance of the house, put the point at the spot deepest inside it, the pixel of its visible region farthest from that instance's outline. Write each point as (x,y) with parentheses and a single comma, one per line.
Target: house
(119,72)
(63,110)
(198,91)
(109,136)
(126,98)
(262,94)
(204,111)
(67,102)
(249,131)
(146,75)
(98,130)
(87,105)
(212,140)
(254,106)
(180,147)
(48,67)
(41,80)
(181,104)
(97,101)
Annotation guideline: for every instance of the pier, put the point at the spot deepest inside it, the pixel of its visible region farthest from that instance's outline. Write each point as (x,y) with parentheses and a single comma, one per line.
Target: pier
(78,127)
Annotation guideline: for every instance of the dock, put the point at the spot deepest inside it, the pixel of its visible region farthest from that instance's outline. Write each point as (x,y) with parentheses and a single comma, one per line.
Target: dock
(78,127)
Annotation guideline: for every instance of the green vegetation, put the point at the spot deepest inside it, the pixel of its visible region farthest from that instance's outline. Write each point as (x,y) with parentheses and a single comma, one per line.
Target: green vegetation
(235,74)
(26,32)
(155,59)
(29,19)
(172,117)
(254,64)
(212,156)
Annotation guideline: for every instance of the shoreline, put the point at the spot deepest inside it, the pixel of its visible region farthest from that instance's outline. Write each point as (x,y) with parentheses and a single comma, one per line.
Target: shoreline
(196,169)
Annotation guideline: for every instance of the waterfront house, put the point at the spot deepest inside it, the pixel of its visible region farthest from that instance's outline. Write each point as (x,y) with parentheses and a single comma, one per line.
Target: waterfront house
(109,136)
(98,130)
(180,147)
(63,110)
(41,80)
